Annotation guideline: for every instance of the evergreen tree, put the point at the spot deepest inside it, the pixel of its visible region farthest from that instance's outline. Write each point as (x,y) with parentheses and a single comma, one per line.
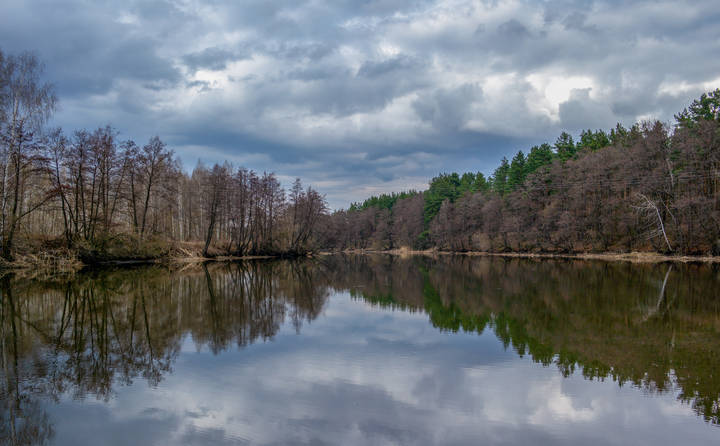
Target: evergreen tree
(516,174)
(481,184)
(500,177)
(707,107)
(618,135)
(382,201)
(442,187)
(467,183)
(593,140)
(565,146)
(539,156)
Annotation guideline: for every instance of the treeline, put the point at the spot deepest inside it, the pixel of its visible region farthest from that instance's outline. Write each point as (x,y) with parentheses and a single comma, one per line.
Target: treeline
(90,192)
(384,201)
(650,187)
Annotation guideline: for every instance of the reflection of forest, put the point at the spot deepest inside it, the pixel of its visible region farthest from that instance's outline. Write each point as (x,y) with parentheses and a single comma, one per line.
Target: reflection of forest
(655,326)
(84,336)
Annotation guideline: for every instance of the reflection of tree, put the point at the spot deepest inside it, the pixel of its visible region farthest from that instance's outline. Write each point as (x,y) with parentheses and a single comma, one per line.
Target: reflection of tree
(22,419)
(84,336)
(250,300)
(646,325)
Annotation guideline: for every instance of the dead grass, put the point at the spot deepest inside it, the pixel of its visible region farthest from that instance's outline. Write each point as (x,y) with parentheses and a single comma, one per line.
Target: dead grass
(44,264)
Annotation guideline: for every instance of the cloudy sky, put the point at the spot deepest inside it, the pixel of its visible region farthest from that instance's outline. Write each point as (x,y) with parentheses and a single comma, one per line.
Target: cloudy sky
(365,96)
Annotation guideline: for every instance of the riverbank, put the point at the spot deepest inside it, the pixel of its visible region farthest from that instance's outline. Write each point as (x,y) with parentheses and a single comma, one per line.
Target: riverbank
(68,261)
(634,257)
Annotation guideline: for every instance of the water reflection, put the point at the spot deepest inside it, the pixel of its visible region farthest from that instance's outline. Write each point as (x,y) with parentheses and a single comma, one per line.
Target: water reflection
(104,329)
(655,327)
(636,324)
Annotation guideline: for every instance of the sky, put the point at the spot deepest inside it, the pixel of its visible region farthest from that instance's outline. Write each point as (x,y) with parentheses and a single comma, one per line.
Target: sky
(359,97)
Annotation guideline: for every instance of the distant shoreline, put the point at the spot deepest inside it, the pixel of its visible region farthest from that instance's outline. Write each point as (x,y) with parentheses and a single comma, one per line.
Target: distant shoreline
(634,257)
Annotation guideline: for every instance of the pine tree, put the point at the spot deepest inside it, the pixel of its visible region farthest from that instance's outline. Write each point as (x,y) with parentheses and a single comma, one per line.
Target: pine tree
(500,177)
(707,107)
(593,140)
(539,156)
(516,175)
(565,146)
(442,187)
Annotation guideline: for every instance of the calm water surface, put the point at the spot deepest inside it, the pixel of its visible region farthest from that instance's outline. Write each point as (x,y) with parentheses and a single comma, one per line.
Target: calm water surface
(364,350)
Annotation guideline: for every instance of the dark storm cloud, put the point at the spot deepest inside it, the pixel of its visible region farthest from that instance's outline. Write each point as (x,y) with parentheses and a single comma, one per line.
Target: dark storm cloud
(312,51)
(366,95)
(448,108)
(581,112)
(213,58)
(513,30)
(84,50)
(373,69)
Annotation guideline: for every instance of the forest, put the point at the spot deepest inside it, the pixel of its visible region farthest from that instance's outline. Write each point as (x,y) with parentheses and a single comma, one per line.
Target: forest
(86,194)
(653,187)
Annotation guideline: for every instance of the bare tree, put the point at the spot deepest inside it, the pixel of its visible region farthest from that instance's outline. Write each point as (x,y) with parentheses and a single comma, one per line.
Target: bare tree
(306,207)
(154,164)
(214,188)
(649,209)
(25,104)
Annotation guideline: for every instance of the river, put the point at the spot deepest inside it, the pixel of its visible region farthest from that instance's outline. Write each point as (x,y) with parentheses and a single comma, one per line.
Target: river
(367,349)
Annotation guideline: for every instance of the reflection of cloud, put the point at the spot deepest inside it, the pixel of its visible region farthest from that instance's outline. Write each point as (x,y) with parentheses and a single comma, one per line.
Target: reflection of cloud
(362,375)
(552,405)
(318,81)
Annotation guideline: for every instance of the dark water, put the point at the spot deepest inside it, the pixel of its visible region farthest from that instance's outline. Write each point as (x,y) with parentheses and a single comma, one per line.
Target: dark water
(365,350)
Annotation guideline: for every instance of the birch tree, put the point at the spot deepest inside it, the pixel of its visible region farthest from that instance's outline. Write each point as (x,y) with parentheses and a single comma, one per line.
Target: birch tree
(26,102)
